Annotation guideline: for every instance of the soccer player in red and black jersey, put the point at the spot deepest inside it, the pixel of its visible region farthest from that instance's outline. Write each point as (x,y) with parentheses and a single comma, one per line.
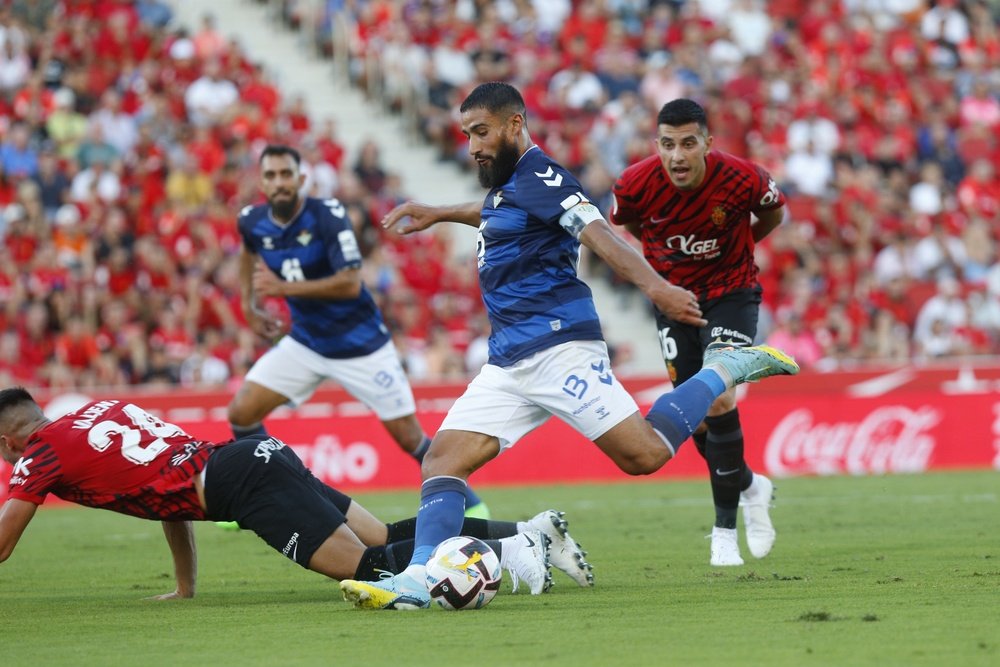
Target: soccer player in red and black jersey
(698,213)
(114,455)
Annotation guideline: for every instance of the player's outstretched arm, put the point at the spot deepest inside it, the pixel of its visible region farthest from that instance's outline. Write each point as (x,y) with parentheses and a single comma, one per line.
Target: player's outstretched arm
(14,518)
(415,217)
(675,302)
(180,538)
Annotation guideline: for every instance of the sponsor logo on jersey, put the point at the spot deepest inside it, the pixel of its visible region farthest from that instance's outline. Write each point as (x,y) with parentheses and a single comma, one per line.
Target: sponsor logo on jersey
(732,335)
(304,237)
(190,449)
(268,243)
(19,475)
(265,447)
(692,247)
(293,546)
(718,216)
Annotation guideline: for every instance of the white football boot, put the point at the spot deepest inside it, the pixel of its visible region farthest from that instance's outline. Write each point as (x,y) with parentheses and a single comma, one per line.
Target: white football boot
(564,552)
(525,556)
(725,547)
(756,502)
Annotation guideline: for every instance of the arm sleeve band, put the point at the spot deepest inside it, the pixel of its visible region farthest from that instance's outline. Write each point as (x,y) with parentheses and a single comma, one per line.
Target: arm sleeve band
(578,217)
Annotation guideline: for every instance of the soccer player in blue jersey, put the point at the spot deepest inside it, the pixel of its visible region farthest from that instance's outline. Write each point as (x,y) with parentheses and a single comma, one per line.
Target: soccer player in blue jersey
(304,251)
(547,353)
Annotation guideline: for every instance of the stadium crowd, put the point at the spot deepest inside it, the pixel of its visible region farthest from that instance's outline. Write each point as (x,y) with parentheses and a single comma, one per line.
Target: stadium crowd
(128,145)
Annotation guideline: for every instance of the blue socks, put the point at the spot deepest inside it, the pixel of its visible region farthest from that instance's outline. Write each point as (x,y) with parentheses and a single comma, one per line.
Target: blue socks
(441,515)
(676,414)
(471,497)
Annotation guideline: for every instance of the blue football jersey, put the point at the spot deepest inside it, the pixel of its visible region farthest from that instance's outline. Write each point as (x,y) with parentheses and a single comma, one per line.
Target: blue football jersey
(318,243)
(528,263)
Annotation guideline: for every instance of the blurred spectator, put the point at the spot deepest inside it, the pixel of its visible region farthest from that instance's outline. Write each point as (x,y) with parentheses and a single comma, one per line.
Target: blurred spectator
(18,157)
(792,336)
(211,98)
(939,255)
(941,315)
(150,134)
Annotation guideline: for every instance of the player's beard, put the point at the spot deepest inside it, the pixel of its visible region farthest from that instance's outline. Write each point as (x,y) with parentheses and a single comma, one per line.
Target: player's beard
(284,209)
(498,170)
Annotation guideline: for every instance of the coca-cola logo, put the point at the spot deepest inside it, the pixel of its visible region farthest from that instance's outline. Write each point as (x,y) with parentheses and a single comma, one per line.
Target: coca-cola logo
(891,438)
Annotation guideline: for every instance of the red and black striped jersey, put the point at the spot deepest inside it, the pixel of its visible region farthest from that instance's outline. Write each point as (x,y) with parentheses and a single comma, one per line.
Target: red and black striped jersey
(116,456)
(698,239)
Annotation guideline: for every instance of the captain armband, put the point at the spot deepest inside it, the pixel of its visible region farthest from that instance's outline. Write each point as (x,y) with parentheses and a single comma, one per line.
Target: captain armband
(578,217)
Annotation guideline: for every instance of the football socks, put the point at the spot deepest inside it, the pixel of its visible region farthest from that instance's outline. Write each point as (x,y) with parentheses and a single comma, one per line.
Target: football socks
(442,505)
(724,455)
(471,498)
(677,414)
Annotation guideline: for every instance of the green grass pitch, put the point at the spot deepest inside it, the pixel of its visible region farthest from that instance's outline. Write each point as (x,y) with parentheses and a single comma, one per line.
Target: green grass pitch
(895,570)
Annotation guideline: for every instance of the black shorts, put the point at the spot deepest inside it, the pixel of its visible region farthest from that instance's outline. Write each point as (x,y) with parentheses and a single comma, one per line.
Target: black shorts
(730,317)
(262,484)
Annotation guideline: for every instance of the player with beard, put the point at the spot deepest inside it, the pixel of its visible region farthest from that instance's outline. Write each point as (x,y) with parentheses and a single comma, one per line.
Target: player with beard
(547,352)
(698,213)
(304,251)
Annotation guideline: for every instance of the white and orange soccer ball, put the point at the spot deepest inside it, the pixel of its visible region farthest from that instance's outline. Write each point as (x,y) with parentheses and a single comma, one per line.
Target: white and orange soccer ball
(463,573)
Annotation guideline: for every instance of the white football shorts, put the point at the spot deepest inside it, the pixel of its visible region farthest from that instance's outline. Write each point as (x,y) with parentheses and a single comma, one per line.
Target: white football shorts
(572,381)
(377,379)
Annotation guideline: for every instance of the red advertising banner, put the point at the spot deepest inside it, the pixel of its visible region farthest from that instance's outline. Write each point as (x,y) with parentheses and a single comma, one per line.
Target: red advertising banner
(904,420)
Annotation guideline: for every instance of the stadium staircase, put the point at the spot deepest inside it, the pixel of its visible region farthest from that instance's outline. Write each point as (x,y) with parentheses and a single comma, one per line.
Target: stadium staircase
(296,68)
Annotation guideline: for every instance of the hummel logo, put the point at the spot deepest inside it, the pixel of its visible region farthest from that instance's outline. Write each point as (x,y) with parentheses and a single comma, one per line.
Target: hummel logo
(723,473)
(551,182)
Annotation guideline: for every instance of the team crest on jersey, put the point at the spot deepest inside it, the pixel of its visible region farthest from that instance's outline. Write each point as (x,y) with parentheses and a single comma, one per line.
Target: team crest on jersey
(556,325)
(718,216)
(268,243)
(497,198)
(671,371)
(304,237)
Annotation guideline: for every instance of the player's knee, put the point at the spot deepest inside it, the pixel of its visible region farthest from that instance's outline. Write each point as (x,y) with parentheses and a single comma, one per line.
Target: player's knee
(644,462)
(239,412)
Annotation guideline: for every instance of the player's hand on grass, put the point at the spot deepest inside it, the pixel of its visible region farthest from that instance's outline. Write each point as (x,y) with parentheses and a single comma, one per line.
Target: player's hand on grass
(679,304)
(175,595)
(410,217)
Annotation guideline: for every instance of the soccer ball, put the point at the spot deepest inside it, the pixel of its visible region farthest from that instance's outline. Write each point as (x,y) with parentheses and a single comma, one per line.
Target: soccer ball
(463,573)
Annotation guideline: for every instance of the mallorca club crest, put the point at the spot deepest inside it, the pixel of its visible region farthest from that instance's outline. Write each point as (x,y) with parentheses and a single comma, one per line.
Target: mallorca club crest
(672,372)
(718,216)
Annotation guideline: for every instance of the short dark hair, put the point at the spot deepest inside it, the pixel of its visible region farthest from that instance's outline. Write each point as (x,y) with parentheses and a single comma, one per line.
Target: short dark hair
(13,396)
(681,112)
(279,150)
(495,97)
